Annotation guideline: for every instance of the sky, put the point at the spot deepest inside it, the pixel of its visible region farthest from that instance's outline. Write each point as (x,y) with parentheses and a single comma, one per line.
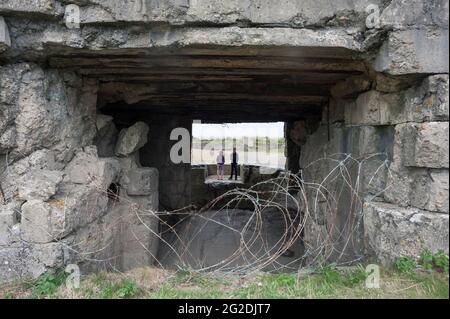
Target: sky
(275,130)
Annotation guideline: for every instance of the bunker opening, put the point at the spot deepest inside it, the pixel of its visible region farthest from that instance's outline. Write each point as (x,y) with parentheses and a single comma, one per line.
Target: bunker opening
(132,183)
(157,102)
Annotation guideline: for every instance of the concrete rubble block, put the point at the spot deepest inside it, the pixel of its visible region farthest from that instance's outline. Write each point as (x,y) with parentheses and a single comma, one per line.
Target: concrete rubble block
(148,203)
(140,244)
(48,7)
(29,260)
(424,144)
(97,245)
(398,184)
(437,87)
(414,51)
(371,108)
(5,41)
(106,135)
(370,140)
(427,102)
(39,184)
(35,222)
(131,139)
(44,111)
(41,159)
(9,217)
(46,257)
(105,11)
(10,83)
(142,181)
(14,177)
(75,207)
(393,231)
(130,162)
(430,190)
(401,14)
(291,12)
(427,189)
(128,234)
(86,168)
(8,140)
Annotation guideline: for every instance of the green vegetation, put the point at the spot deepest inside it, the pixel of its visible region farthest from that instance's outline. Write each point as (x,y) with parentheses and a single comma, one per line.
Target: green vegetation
(440,260)
(107,287)
(404,264)
(426,278)
(47,284)
(428,261)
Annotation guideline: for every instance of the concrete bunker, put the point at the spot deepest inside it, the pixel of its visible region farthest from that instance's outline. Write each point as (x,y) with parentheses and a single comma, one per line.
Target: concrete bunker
(86,117)
(214,85)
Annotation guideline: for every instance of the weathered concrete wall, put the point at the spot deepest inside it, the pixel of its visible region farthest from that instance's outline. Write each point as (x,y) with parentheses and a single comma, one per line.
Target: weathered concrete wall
(59,157)
(415,32)
(404,204)
(55,205)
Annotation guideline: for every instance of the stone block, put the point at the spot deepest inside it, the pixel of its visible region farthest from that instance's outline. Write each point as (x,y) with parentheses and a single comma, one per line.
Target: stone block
(131,139)
(76,206)
(401,14)
(8,140)
(371,108)
(36,224)
(427,189)
(29,260)
(32,99)
(430,191)
(98,244)
(40,184)
(148,203)
(49,7)
(142,181)
(398,183)
(427,102)
(140,244)
(8,218)
(86,168)
(425,144)
(414,51)
(393,231)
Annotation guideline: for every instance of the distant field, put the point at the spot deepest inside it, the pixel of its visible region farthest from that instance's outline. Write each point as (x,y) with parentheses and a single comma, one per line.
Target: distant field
(275,159)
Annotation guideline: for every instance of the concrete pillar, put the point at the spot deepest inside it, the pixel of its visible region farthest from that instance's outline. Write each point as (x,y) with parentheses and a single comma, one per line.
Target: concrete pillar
(174,179)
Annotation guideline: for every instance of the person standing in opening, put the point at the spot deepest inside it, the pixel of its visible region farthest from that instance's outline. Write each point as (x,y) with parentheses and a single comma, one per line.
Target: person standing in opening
(220,160)
(234,158)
